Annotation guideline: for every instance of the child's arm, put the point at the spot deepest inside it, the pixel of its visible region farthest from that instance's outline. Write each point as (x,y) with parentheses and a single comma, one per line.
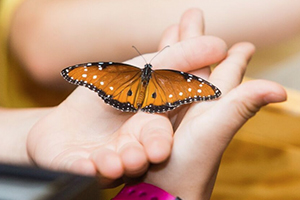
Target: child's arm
(49,35)
(15,125)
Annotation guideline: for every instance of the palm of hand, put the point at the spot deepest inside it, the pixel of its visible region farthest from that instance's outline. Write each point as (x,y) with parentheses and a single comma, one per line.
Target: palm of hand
(83,132)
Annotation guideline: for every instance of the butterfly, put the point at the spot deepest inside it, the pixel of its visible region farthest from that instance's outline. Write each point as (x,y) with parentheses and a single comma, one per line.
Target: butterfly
(129,88)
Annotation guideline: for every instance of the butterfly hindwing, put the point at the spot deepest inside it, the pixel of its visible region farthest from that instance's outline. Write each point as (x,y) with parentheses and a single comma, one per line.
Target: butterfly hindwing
(116,83)
(173,88)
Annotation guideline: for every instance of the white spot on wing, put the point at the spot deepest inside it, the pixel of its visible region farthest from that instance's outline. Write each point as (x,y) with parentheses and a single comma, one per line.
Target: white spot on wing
(180,93)
(199,91)
(95,76)
(190,89)
(84,75)
(111,88)
(101,83)
(170,96)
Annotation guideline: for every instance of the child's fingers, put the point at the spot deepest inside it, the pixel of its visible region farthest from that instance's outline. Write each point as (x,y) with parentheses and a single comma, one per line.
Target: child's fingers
(170,36)
(191,54)
(157,138)
(75,163)
(134,159)
(144,138)
(229,73)
(108,163)
(188,55)
(154,133)
(191,24)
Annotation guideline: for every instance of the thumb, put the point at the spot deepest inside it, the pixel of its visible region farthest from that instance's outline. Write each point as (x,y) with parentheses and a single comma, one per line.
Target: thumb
(233,110)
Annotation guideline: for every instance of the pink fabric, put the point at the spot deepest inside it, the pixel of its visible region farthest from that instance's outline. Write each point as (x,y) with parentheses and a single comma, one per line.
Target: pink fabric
(143,191)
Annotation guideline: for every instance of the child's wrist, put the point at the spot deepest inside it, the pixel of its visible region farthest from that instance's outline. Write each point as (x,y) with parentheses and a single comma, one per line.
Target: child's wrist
(144,191)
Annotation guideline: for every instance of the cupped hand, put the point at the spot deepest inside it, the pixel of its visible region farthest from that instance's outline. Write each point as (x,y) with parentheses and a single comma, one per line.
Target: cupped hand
(86,136)
(205,129)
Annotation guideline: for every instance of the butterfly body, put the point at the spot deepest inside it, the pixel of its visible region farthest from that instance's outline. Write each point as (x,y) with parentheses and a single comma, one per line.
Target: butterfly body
(129,88)
(145,78)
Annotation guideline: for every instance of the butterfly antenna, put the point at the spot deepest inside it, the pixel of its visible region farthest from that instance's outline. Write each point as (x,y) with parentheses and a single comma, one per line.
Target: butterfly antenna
(159,52)
(139,53)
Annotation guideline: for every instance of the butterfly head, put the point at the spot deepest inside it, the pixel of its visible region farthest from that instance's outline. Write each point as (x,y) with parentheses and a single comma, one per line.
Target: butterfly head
(148,65)
(146,73)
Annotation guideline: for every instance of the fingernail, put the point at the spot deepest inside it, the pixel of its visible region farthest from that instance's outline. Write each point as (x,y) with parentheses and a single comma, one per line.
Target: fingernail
(275,98)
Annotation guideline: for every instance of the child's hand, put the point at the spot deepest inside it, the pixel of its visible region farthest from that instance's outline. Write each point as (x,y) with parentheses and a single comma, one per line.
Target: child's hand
(86,136)
(207,128)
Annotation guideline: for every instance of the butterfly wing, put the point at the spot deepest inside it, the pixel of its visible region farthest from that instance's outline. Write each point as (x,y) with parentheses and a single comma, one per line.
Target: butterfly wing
(116,83)
(168,89)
